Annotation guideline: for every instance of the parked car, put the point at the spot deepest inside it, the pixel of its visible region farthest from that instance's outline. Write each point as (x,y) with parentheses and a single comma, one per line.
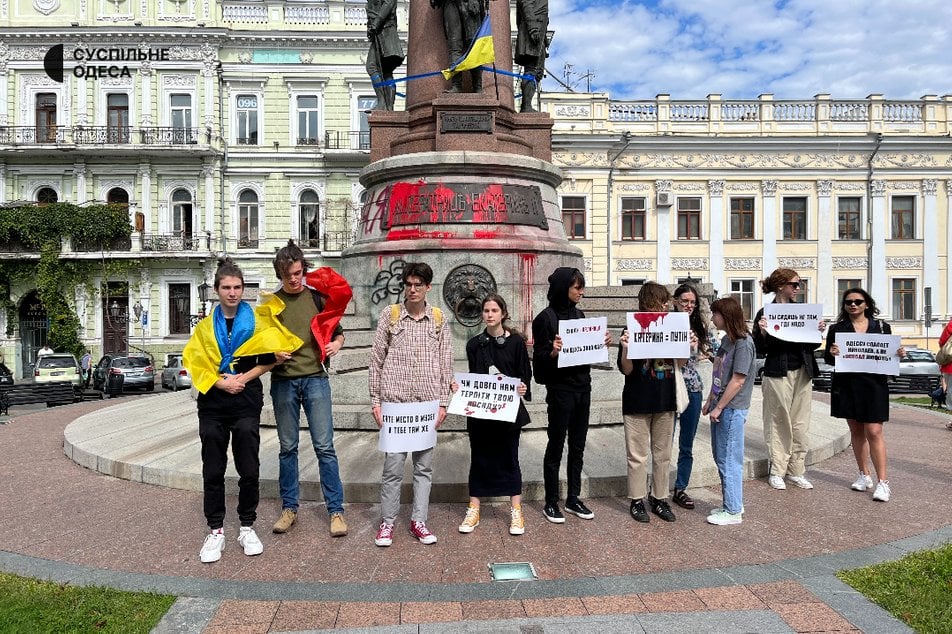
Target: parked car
(824,380)
(138,372)
(918,372)
(175,376)
(59,366)
(6,377)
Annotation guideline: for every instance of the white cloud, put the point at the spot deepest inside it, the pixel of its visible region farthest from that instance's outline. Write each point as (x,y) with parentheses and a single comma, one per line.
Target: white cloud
(742,48)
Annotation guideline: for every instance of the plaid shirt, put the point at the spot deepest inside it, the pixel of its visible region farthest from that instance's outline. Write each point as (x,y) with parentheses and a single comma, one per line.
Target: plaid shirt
(411,362)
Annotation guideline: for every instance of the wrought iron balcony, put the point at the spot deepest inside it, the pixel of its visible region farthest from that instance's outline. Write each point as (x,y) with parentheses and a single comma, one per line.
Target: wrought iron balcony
(102,135)
(344,140)
(175,242)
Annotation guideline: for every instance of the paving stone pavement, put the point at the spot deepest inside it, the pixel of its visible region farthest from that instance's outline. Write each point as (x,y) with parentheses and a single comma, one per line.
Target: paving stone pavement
(773,573)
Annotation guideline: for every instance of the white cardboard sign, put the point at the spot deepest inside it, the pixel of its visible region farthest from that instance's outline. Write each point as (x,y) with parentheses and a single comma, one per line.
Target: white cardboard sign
(865,352)
(583,341)
(659,335)
(489,396)
(798,323)
(408,426)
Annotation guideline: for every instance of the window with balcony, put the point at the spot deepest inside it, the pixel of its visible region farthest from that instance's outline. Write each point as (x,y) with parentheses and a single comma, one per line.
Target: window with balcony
(689,218)
(45,117)
(633,216)
(743,291)
(903,216)
(308,111)
(247,112)
(904,298)
(795,218)
(573,217)
(180,306)
(182,214)
(365,103)
(46,196)
(181,109)
(309,207)
(742,218)
(117,118)
(248,219)
(848,218)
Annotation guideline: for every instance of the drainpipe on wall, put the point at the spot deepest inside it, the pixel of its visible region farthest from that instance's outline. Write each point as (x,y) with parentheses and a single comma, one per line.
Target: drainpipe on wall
(869,213)
(608,204)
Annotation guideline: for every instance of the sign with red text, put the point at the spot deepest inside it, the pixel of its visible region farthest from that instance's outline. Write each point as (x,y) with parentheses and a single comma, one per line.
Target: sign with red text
(797,323)
(659,335)
(583,341)
(870,353)
(408,426)
(489,396)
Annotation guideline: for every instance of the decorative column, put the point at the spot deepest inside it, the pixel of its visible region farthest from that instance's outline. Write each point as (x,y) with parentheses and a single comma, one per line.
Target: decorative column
(716,235)
(878,227)
(664,234)
(145,195)
(4,58)
(209,66)
(146,119)
(769,189)
(946,302)
(825,293)
(3,182)
(79,185)
(208,173)
(930,239)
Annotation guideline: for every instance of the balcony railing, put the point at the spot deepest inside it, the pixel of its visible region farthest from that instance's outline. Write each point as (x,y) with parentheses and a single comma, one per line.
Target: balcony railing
(347,140)
(102,135)
(91,246)
(330,241)
(175,242)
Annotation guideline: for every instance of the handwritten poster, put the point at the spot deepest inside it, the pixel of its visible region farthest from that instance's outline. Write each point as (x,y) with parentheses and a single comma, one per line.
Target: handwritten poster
(408,426)
(659,336)
(799,323)
(872,353)
(493,397)
(583,341)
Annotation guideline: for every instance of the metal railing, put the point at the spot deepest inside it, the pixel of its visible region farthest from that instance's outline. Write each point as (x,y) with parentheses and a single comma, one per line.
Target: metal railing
(102,135)
(89,246)
(347,140)
(175,242)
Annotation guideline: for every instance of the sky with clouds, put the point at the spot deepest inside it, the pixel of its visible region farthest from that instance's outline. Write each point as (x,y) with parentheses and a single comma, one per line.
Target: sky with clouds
(742,48)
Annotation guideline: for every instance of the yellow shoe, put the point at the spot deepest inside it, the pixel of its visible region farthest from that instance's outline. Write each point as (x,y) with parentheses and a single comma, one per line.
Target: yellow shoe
(338,525)
(517,525)
(285,521)
(471,521)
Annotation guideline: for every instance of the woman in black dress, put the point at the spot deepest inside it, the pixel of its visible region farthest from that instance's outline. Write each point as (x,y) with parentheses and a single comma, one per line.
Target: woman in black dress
(494,466)
(859,397)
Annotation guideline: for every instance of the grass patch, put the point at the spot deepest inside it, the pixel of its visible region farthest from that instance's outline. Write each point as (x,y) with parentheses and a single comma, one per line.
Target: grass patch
(28,605)
(916,589)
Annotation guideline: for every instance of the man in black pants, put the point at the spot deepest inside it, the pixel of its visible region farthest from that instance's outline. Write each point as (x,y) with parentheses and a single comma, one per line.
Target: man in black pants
(568,394)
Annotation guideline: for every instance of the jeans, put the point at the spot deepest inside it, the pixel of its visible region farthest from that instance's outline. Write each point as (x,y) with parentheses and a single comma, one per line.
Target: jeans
(686,422)
(215,430)
(314,394)
(727,444)
(568,416)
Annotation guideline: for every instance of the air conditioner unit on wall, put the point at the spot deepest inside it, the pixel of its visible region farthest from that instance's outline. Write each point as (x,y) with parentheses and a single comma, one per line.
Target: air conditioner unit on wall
(664,199)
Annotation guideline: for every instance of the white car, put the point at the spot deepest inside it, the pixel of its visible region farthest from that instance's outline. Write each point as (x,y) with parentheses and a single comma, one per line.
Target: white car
(175,376)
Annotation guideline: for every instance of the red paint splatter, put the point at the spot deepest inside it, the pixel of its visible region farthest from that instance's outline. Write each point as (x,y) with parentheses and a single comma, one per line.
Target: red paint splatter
(485,235)
(527,262)
(646,319)
(416,234)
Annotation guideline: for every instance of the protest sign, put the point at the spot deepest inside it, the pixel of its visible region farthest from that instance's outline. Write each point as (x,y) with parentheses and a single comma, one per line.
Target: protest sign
(408,426)
(489,396)
(583,341)
(798,323)
(659,336)
(872,353)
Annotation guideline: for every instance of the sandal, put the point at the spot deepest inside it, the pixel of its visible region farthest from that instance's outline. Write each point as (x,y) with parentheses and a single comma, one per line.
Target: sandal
(682,499)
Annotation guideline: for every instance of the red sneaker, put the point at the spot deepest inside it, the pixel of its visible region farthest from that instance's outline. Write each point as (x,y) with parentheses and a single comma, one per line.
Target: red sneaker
(384,534)
(420,531)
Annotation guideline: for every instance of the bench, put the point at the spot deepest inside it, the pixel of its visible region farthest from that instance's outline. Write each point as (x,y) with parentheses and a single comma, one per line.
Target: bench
(58,393)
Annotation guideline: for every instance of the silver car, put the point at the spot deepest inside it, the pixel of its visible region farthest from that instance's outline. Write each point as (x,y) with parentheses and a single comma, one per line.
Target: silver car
(175,376)
(918,372)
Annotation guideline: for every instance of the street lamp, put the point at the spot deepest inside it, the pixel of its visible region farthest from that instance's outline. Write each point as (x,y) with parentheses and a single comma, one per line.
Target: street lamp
(203,289)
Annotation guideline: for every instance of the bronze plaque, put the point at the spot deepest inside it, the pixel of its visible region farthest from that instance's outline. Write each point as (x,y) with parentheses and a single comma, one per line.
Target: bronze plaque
(479,122)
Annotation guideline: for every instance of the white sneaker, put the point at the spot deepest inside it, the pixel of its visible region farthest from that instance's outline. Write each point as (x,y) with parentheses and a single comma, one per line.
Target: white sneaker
(721,509)
(863,481)
(776,482)
(249,541)
(881,494)
(800,481)
(723,518)
(211,549)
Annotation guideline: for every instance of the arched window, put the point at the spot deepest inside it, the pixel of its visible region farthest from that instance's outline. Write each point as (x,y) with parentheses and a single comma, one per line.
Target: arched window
(117,196)
(182,213)
(309,208)
(248,219)
(46,196)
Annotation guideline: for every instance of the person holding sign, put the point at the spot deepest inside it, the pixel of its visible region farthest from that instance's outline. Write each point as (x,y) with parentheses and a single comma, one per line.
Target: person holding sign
(789,368)
(862,398)
(226,354)
(568,395)
(648,404)
(494,445)
(727,407)
(411,362)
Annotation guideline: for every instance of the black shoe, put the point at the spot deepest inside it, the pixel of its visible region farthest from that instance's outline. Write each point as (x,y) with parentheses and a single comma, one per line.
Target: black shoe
(575,507)
(553,514)
(638,512)
(661,509)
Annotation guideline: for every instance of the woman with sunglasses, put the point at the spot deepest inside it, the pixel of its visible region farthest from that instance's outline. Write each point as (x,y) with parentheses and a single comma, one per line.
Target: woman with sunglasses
(859,397)
(789,369)
(494,445)
(702,347)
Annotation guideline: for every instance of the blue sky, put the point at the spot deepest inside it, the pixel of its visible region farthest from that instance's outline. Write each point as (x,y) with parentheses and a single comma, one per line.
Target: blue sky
(742,48)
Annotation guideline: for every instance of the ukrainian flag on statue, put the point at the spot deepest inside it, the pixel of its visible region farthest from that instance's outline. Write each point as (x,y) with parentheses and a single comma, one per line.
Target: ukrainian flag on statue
(480,52)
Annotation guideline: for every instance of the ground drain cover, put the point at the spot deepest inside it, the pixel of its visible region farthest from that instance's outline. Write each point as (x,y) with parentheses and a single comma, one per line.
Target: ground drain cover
(512,571)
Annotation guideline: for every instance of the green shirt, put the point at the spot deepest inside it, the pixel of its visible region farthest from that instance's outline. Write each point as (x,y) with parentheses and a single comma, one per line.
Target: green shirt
(300,310)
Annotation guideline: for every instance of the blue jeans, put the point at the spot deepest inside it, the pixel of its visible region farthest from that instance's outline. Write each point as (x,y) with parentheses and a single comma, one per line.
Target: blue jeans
(314,393)
(727,444)
(686,422)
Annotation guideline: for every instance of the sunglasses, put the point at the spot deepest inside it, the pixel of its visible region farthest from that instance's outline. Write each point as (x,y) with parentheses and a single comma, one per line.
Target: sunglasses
(854,302)
(794,284)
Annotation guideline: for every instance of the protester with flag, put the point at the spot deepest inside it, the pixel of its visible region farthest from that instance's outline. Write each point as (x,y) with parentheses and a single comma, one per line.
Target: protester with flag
(467,28)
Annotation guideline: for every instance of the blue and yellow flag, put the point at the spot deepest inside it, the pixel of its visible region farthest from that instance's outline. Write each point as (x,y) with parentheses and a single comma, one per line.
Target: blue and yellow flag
(480,52)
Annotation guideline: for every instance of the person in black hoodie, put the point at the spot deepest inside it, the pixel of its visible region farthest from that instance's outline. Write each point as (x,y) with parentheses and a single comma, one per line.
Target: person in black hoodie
(568,394)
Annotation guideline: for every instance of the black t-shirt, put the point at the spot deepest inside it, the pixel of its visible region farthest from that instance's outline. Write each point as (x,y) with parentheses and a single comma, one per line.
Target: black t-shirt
(250,400)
